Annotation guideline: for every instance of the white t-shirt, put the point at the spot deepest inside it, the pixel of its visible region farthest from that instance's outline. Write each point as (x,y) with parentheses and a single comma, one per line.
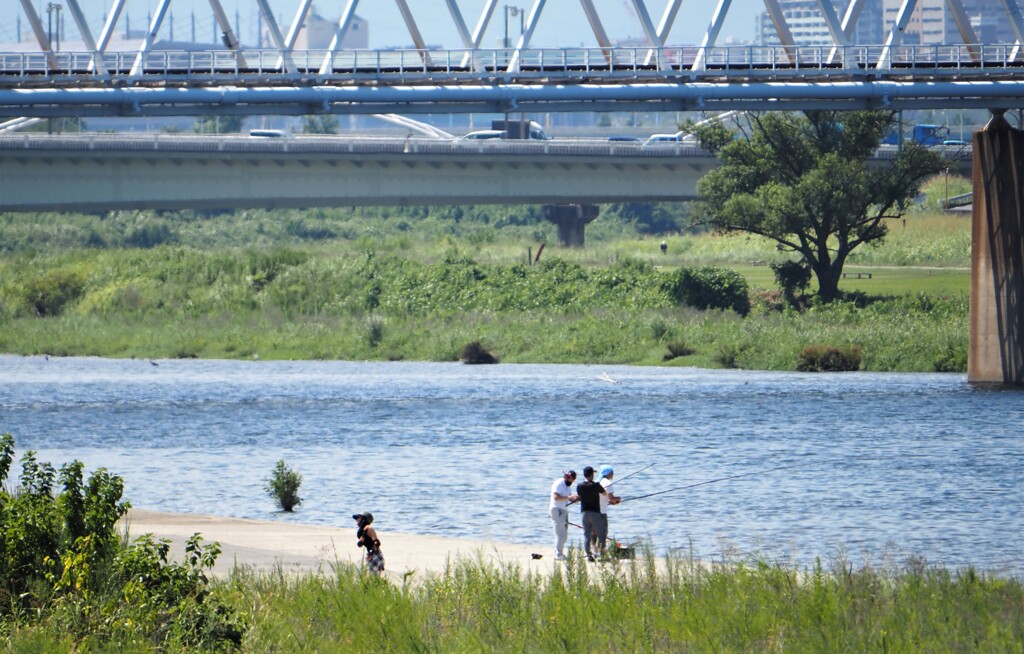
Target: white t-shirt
(605,483)
(562,489)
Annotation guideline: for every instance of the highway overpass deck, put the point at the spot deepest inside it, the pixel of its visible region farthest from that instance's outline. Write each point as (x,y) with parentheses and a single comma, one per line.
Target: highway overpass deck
(168,171)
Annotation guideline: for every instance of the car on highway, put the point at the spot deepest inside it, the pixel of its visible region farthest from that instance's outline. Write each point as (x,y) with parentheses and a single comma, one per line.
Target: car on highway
(663,139)
(622,138)
(483,135)
(269,134)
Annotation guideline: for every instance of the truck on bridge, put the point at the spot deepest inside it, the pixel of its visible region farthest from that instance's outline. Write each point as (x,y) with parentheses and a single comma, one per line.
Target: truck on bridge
(520,129)
(923,134)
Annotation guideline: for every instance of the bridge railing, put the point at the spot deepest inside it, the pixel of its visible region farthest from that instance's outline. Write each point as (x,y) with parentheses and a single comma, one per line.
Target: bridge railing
(332,144)
(535,64)
(328,145)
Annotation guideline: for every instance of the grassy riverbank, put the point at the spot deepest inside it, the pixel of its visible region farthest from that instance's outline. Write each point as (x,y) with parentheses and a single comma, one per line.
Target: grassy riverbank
(728,608)
(335,285)
(477,606)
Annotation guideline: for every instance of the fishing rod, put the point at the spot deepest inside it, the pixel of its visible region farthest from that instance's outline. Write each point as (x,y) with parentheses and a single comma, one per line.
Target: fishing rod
(709,481)
(611,483)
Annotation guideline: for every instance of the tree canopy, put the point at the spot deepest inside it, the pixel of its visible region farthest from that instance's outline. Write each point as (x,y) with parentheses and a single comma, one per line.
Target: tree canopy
(811,182)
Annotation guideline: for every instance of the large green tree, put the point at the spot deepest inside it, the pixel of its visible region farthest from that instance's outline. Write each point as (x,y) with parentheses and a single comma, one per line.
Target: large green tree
(812,183)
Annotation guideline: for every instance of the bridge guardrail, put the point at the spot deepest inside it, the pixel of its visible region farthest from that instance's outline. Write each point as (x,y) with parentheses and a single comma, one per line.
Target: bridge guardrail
(125,142)
(326,145)
(466,66)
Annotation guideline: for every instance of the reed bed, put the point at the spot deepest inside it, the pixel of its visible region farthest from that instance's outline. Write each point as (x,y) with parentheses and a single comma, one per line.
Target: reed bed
(644,605)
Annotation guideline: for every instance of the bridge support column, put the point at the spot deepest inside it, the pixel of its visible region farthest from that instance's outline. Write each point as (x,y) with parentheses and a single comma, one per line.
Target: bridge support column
(572,220)
(996,349)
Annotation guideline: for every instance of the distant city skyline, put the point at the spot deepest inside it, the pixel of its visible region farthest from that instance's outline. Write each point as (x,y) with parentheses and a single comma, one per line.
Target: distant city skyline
(562,23)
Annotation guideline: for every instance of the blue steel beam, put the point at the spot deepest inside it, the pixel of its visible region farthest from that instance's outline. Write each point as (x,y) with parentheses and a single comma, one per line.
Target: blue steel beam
(501,98)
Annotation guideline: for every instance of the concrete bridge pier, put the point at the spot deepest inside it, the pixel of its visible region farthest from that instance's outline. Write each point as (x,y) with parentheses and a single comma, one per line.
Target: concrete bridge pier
(572,220)
(996,349)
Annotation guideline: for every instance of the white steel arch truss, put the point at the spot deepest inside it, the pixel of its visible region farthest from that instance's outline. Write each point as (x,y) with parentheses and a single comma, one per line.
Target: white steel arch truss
(655,36)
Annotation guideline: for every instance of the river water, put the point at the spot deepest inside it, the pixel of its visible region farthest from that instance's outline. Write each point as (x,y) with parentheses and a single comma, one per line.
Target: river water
(878,467)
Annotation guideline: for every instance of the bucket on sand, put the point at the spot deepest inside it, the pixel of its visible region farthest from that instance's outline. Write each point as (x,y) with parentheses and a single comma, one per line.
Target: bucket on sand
(620,551)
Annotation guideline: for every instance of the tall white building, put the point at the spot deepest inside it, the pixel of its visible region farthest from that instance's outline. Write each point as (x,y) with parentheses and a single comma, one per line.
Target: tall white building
(930,23)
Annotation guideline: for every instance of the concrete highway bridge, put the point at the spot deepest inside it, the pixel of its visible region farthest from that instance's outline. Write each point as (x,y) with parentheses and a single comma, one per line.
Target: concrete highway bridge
(166,171)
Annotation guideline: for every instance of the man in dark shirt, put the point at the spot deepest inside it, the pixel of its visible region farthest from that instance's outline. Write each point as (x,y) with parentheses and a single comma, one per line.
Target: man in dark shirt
(595,523)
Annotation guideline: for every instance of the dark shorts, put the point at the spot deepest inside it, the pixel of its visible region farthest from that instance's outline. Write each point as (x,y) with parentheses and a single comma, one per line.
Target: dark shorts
(375,561)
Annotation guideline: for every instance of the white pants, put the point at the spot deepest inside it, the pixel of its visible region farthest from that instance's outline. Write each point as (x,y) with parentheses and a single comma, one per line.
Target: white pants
(560,520)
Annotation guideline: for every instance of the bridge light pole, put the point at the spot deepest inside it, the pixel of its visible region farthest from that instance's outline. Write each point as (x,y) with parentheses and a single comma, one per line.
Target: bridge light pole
(50,8)
(514,11)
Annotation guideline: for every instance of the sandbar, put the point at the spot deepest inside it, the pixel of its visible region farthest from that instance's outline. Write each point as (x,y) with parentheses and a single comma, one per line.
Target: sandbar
(266,545)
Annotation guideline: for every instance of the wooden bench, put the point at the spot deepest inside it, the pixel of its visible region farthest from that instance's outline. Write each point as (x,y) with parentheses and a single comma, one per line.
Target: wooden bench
(857,275)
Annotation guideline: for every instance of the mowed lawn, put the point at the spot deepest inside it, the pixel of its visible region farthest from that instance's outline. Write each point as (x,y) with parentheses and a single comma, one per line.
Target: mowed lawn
(883,280)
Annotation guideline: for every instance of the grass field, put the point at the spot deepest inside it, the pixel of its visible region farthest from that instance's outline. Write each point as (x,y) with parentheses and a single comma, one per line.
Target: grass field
(332,285)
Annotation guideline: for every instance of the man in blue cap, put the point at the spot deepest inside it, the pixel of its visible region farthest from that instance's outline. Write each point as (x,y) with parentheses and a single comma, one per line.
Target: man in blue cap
(608,498)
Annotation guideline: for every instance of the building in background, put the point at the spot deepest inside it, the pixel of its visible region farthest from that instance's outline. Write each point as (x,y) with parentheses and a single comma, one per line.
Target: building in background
(318,32)
(930,23)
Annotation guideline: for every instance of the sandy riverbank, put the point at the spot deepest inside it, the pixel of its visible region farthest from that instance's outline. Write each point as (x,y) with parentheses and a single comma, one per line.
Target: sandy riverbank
(268,545)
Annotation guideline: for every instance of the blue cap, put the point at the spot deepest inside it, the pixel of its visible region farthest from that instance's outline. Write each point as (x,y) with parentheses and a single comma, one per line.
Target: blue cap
(606,470)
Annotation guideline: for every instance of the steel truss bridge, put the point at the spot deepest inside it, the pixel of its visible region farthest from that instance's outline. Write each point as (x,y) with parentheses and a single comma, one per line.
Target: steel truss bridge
(656,77)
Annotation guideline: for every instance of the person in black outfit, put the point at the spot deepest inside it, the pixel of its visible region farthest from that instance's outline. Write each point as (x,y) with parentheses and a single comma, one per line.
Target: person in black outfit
(595,523)
(366,537)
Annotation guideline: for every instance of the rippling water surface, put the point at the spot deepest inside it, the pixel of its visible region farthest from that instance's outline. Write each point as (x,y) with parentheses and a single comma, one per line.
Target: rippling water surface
(881,466)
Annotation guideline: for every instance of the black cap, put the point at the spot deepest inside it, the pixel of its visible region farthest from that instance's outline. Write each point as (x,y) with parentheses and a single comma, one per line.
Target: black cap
(588,471)
(365,515)
(571,473)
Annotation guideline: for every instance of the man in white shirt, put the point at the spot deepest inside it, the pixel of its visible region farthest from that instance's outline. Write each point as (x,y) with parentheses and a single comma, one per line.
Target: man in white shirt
(561,495)
(608,498)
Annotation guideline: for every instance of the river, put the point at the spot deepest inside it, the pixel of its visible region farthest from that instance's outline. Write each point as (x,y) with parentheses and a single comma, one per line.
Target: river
(869,468)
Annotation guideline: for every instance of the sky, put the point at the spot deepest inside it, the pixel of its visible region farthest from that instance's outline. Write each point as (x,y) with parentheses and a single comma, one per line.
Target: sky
(562,22)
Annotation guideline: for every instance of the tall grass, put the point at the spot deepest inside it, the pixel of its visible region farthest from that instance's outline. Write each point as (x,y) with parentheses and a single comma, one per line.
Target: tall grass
(637,606)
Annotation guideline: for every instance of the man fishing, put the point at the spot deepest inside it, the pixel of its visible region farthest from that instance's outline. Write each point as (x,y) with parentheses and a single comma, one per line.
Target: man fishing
(595,523)
(561,496)
(607,499)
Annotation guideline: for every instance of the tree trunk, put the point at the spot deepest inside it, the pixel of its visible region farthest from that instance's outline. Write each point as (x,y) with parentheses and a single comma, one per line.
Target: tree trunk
(828,281)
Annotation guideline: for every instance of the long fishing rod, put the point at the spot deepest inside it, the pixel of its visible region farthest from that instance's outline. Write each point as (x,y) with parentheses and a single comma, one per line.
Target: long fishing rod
(709,481)
(614,481)
(611,483)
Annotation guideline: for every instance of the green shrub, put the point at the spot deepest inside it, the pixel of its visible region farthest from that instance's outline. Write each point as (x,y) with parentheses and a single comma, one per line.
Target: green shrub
(474,353)
(65,568)
(678,349)
(50,292)
(150,236)
(283,486)
(728,355)
(710,287)
(375,331)
(953,358)
(828,358)
(299,229)
(793,277)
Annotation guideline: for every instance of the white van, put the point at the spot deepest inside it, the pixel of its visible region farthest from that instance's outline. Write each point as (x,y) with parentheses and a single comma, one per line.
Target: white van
(483,135)
(663,139)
